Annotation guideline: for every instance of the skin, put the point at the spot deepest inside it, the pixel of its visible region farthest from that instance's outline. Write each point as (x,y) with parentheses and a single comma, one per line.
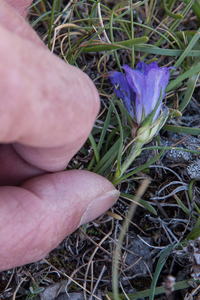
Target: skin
(45,119)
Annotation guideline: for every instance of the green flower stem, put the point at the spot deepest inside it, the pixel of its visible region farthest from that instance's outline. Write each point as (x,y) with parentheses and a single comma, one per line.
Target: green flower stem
(136,150)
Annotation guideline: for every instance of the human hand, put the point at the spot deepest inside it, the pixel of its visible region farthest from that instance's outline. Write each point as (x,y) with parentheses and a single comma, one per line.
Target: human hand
(48,109)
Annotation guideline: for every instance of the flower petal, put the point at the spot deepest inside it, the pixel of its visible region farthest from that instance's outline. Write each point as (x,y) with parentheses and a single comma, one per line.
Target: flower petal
(122,90)
(136,81)
(141,66)
(155,77)
(152,65)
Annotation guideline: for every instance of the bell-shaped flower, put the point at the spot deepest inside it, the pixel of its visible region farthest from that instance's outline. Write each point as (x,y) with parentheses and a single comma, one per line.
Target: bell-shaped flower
(142,91)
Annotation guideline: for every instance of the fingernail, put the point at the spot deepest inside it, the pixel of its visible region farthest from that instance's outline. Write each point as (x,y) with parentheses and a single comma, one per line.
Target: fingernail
(99,205)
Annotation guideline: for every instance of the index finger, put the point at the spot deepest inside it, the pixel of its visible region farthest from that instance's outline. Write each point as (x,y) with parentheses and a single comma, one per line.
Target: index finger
(44,101)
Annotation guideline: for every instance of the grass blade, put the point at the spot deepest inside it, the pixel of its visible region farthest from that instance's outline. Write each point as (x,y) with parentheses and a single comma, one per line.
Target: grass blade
(144,203)
(96,152)
(141,168)
(159,290)
(115,46)
(182,129)
(161,262)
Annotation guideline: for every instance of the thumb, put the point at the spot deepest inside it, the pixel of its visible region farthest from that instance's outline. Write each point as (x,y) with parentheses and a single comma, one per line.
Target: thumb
(37,216)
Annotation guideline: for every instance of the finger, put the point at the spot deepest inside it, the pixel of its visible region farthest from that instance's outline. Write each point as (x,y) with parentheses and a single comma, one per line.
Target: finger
(37,216)
(46,103)
(41,96)
(15,23)
(21,6)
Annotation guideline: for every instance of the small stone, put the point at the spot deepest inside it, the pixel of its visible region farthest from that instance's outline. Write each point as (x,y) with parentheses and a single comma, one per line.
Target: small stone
(194,170)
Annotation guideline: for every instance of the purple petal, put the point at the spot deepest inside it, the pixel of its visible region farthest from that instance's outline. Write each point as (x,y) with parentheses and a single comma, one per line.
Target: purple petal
(120,84)
(136,81)
(141,66)
(151,66)
(155,78)
(122,90)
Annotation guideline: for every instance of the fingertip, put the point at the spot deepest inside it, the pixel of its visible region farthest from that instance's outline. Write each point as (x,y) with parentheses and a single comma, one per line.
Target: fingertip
(99,205)
(88,93)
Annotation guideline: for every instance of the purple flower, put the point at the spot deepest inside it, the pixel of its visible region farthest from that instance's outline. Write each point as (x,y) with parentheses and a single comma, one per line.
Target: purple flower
(140,89)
